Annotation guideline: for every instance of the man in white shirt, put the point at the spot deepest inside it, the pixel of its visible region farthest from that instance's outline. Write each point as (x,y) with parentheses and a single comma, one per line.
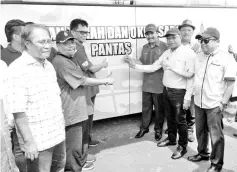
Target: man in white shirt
(34,100)
(187,31)
(178,65)
(215,73)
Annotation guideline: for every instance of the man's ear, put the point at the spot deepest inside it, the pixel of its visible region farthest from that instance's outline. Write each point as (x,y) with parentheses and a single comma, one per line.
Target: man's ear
(16,37)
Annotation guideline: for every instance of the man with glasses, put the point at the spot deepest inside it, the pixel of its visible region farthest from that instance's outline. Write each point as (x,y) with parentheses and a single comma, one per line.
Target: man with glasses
(178,65)
(215,73)
(152,88)
(75,105)
(34,100)
(79,29)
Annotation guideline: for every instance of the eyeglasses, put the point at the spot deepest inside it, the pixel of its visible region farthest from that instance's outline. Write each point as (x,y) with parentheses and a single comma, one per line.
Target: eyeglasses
(43,42)
(171,38)
(82,32)
(205,41)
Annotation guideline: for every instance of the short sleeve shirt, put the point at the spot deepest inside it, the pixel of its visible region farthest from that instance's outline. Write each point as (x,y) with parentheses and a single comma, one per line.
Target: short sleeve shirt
(70,77)
(85,64)
(9,54)
(33,89)
(152,82)
(211,73)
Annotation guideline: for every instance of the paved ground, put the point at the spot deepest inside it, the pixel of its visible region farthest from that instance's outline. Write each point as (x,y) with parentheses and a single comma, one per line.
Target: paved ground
(119,151)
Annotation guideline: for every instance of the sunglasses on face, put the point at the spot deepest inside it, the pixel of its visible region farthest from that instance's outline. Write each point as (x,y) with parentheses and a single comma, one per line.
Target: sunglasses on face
(205,41)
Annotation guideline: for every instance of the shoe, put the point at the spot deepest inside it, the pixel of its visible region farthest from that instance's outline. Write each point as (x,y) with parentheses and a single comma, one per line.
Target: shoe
(190,137)
(180,151)
(197,158)
(90,158)
(158,136)
(88,166)
(213,169)
(235,134)
(94,143)
(141,133)
(165,143)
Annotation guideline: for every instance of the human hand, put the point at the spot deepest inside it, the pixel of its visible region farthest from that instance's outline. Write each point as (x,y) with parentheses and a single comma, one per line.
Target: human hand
(109,81)
(230,49)
(30,149)
(105,63)
(196,47)
(186,104)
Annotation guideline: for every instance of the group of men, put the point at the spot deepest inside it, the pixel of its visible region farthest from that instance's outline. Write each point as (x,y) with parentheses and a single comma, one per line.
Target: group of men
(194,81)
(51,103)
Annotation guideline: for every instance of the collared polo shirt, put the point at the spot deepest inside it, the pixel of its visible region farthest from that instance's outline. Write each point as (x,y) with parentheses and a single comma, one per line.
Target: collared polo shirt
(85,64)
(76,106)
(9,54)
(33,89)
(181,59)
(211,73)
(152,82)
(7,159)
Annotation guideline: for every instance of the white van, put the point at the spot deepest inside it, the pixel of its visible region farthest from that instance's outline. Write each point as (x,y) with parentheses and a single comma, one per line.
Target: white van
(116,28)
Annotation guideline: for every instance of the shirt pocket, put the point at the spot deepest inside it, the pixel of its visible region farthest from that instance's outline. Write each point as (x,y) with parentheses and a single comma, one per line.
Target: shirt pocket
(180,64)
(215,72)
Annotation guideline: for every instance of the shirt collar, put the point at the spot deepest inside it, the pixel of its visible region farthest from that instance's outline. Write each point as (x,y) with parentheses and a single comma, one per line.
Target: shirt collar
(30,60)
(157,43)
(78,43)
(10,48)
(177,49)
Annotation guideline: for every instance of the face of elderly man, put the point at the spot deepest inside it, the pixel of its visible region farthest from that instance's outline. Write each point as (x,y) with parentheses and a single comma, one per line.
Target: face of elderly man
(67,48)
(209,45)
(186,33)
(39,43)
(173,41)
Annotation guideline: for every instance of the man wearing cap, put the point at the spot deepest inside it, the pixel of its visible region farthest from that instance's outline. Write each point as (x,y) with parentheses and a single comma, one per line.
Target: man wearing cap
(178,65)
(152,89)
(75,102)
(187,30)
(215,73)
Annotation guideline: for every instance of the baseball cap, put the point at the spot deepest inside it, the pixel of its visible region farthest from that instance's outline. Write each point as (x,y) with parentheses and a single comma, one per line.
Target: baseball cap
(186,23)
(150,28)
(172,31)
(63,36)
(209,32)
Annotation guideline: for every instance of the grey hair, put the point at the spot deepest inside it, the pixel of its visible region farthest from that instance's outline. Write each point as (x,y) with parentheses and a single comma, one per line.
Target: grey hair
(28,29)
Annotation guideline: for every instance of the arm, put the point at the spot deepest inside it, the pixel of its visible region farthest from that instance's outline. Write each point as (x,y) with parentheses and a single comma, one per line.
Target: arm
(148,68)
(94,81)
(228,92)
(96,68)
(30,147)
(189,93)
(185,74)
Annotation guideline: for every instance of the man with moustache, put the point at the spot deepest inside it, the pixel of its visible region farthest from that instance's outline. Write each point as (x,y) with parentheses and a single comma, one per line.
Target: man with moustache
(34,100)
(215,73)
(178,65)
(75,105)
(152,88)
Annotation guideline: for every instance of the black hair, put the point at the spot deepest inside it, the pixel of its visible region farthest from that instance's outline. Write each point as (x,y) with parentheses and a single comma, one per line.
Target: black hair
(29,23)
(12,27)
(74,23)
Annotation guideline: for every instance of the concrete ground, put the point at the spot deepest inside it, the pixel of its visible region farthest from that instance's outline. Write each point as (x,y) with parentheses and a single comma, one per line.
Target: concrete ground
(119,151)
